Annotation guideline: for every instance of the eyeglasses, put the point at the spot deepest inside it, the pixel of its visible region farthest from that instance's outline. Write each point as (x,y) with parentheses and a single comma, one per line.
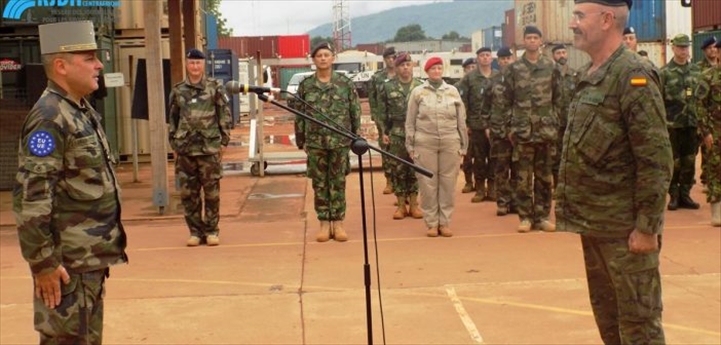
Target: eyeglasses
(577,17)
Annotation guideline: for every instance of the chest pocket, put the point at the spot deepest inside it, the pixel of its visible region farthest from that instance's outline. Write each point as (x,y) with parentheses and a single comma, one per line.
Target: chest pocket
(595,133)
(85,175)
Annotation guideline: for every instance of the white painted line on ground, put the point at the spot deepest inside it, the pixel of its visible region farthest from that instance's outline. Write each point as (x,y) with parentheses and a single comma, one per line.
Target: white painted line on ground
(465,318)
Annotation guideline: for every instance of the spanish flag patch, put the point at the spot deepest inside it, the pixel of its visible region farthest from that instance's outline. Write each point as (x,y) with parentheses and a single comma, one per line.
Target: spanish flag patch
(639,81)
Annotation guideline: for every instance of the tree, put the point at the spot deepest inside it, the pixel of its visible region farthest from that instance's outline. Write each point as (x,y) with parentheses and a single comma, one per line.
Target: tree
(453,36)
(213,7)
(408,33)
(318,39)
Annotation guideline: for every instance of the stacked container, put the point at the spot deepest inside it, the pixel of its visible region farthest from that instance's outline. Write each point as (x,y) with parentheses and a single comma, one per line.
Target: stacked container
(706,19)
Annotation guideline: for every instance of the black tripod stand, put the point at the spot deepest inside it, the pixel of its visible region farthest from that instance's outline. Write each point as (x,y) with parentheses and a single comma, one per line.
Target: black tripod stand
(359,146)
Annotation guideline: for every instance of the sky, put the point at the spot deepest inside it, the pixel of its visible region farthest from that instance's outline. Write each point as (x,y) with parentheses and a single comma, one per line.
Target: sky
(270,17)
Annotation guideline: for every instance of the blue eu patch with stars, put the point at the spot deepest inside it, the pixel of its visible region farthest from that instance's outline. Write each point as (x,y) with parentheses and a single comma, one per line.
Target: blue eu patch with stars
(41,143)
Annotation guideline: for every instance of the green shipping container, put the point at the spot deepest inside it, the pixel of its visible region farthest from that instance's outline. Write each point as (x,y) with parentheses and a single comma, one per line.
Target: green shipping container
(286,73)
(698,38)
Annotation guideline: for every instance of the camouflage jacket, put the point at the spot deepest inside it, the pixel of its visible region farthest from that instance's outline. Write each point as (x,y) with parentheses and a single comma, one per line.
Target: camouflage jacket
(477,93)
(199,117)
(374,92)
(708,103)
(500,117)
(394,106)
(678,83)
(616,164)
(704,64)
(531,94)
(335,102)
(66,196)
(569,79)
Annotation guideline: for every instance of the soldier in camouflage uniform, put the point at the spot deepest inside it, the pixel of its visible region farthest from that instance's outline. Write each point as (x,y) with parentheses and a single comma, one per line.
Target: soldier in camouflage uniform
(469,65)
(393,104)
(199,132)
(66,198)
(504,172)
(616,166)
(710,52)
(374,94)
(679,79)
(708,105)
(531,92)
(476,92)
(568,85)
(331,98)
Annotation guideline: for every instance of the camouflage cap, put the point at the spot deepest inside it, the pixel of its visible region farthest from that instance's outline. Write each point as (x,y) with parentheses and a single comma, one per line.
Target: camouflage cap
(322,45)
(612,3)
(681,40)
(67,37)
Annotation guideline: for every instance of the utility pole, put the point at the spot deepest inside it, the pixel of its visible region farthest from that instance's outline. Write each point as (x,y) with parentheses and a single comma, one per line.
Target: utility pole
(156,104)
(341,25)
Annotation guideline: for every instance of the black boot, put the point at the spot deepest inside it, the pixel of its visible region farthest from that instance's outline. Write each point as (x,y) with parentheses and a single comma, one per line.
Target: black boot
(673,203)
(685,201)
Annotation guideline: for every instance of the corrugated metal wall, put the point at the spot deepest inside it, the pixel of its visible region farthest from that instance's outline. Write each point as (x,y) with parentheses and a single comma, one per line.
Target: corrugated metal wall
(647,17)
(656,52)
(509,33)
(294,46)
(706,14)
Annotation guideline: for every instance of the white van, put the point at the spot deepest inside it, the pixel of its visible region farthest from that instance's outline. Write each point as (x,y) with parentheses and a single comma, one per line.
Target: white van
(295,81)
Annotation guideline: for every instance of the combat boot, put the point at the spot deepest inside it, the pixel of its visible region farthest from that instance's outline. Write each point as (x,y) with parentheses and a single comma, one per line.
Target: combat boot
(389,187)
(415,210)
(716,214)
(480,192)
(525,226)
(212,240)
(467,188)
(546,226)
(193,241)
(501,210)
(401,211)
(324,233)
(445,231)
(338,231)
(686,202)
(432,231)
(673,203)
(491,192)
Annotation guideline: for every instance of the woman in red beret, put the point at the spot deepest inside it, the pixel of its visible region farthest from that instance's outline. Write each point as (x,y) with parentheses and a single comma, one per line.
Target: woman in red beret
(436,139)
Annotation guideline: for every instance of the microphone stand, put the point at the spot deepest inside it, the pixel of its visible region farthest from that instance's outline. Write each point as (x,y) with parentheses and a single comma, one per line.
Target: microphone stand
(359,146)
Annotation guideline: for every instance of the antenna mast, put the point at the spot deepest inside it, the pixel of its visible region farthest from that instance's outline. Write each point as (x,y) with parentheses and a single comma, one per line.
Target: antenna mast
(341,25)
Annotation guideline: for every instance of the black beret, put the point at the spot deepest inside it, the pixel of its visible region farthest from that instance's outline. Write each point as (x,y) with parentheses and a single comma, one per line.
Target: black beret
(609,2)
(195,54)
(483,49)
(531,30)
(558,47)
(504,51)
(468,61)
(629,30)
(321,45)
(708,42)
(389,51)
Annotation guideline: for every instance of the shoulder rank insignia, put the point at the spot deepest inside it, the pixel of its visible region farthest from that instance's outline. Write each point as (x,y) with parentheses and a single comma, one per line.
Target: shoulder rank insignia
(41,143)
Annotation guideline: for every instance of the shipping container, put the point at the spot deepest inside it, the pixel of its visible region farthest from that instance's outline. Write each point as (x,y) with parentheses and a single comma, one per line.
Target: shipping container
(697,39)
(492,37)
(552,17)
(287,72)
(647,18)
(375,48)
(656,52)
(223,64)
(706,15)
(245,47)
(509,33)
(476,40)
(211,31)
(132,16)
(294,46)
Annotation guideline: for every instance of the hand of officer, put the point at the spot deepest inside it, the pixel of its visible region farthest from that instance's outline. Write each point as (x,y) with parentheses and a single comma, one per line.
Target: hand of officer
(488,134)
(640,243)
(47,286)
(708,141)
(386,139)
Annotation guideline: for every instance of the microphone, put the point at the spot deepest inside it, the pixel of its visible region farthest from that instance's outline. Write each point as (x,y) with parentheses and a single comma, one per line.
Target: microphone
(235,87)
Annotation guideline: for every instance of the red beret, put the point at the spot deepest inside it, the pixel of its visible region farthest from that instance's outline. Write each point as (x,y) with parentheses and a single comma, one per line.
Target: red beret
(432,62)
(402,57)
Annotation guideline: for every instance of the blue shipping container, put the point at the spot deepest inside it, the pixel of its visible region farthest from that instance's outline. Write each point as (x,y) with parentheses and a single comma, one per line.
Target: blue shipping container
(648,19)
(493,37)
(211,31)
(223,64)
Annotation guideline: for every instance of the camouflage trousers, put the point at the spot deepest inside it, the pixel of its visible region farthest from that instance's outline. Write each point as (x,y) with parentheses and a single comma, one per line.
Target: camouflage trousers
(387,169)
(79,317)
(328,170)
(403,178)
(477,162)
(625,291)
(557,155)
(533,183)
(504,174)
(194,173)
(685,144)
(713,172)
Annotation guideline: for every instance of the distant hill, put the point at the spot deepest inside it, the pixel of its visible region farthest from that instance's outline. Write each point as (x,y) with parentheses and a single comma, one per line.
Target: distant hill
(436,19)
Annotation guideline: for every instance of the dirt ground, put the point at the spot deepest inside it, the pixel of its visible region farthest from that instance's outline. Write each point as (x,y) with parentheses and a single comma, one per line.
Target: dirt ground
(269,282)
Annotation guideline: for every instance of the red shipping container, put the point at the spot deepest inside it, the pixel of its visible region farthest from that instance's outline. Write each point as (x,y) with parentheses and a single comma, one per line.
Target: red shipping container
(375,48)
(247,46)
(236,44)
(706,14)
(294,46)
(509,30)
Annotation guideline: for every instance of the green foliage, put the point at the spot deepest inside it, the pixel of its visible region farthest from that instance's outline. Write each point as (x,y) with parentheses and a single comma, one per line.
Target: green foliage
(213,7)
(409,33)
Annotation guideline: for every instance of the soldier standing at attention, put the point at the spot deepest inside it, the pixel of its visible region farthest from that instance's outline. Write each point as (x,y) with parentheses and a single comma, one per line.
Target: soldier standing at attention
(468,65)
(568,85)
(629,38)
(374,92)
(708,98)
(476,89)
(711,52)
(679,79)
(66,198)
(616,166)
(393,106)
(199,132)
(530,93)
(504,173)
(331,98)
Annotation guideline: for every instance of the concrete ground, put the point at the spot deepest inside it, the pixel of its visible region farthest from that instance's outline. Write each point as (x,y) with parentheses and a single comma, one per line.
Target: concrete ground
(269,282)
